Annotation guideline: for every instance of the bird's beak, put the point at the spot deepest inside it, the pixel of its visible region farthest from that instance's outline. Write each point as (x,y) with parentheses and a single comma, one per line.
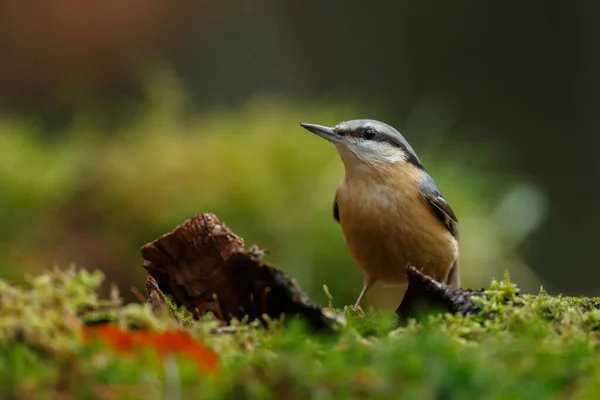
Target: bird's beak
(324,131)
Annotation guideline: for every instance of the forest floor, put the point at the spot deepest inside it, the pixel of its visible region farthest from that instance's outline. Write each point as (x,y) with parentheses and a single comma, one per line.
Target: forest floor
(59,339)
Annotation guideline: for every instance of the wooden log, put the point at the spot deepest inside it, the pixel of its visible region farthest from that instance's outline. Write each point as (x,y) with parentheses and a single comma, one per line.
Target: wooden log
(202,264)
(425,295)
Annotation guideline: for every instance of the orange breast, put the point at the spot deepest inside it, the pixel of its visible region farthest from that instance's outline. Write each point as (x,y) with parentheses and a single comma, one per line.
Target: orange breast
(387,224)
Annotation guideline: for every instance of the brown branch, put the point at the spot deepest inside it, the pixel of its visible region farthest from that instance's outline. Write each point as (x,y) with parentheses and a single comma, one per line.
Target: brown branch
(425,294)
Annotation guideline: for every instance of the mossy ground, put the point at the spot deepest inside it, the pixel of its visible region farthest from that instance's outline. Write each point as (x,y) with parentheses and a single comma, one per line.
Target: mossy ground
(518,347)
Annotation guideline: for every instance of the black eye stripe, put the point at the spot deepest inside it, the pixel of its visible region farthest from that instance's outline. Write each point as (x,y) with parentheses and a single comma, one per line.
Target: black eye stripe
(376,136)
(390,140)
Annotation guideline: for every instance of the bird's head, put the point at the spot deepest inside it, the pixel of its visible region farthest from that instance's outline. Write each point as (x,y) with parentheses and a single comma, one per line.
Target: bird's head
(368,142)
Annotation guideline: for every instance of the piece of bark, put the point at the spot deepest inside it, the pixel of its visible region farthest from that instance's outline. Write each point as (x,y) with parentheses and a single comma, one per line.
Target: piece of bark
(203,266)
(426,294)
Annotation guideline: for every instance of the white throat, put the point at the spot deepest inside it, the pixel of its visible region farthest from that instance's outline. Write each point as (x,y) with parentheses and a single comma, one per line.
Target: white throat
(369,155)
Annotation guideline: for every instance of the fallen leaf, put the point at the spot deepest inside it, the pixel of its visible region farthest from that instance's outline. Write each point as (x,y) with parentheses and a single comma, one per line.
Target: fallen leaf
(164,343)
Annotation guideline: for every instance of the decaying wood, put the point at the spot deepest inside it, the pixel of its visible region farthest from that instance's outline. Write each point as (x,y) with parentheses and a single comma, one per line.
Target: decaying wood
(202,264)
(156,298)
(426,294)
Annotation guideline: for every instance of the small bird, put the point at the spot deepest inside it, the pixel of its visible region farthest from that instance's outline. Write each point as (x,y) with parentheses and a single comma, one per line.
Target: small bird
(390,209)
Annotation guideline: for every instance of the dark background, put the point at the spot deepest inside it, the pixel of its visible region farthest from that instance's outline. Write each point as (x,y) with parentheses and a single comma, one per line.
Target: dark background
(492,94)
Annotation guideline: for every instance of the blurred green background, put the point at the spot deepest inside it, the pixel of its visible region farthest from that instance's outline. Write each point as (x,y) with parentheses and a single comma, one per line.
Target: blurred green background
(119,121)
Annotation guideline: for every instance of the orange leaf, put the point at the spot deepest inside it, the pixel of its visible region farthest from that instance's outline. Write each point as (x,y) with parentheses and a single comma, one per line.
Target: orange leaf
(168,342)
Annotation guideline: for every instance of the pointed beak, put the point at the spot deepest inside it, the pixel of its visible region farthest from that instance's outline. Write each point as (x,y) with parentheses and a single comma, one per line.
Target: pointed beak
(324,131)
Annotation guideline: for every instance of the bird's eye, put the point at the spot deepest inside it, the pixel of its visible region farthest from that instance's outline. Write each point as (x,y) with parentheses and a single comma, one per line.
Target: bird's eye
(369,134)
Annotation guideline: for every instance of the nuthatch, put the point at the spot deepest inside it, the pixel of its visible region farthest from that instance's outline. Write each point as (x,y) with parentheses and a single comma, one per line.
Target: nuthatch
(391,211)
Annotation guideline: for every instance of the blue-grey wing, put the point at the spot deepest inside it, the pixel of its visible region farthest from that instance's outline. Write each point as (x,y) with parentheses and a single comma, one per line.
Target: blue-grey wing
(445,214)
(438,204)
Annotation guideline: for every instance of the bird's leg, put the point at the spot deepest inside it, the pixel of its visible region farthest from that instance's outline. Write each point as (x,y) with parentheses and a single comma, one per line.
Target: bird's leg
(367,284)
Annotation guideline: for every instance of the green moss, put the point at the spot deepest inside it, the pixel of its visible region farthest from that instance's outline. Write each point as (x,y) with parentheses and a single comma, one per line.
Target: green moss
(519,346)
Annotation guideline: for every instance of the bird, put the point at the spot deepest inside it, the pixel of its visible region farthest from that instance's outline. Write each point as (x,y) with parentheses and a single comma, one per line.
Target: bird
(390,209)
